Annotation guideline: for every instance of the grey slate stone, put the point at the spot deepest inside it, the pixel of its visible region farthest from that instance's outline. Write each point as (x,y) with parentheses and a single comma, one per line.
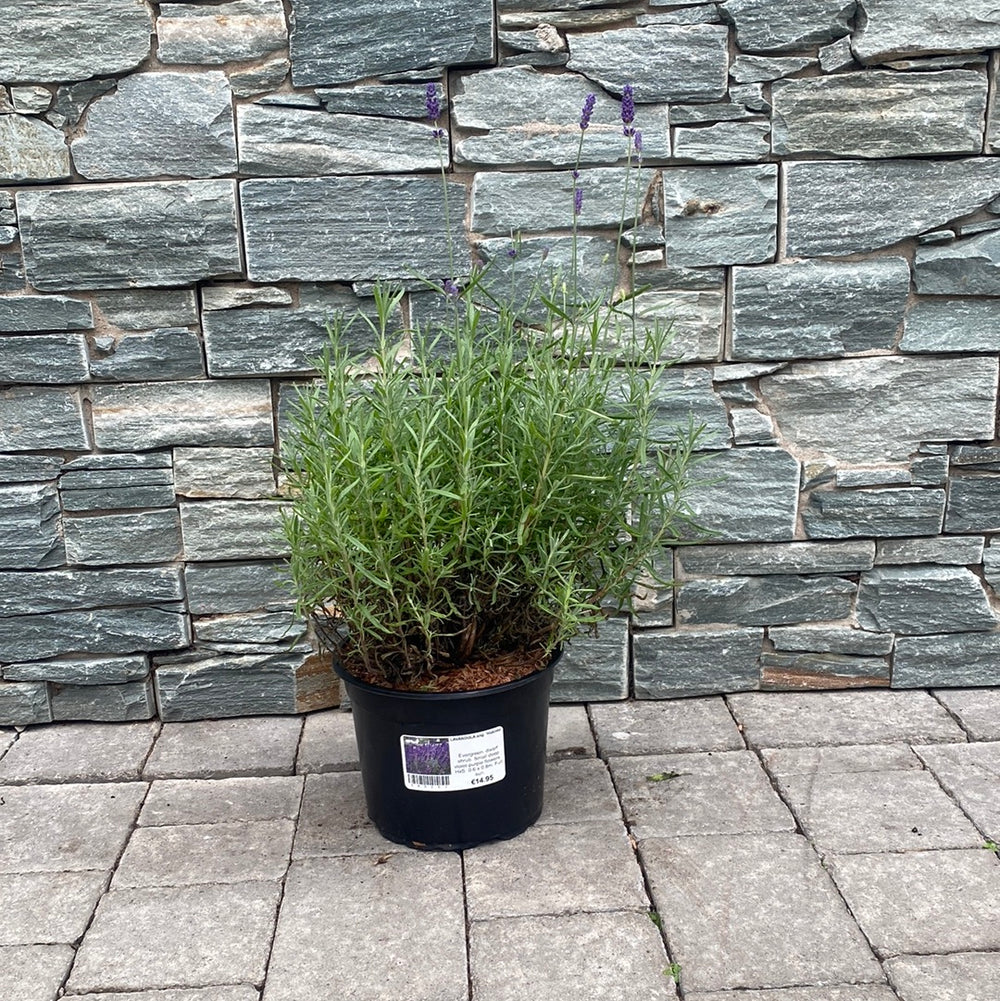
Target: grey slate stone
(886,511)
(250,627)
(237,296)
(31,313)
(334,228)
(972,504)
(780,558)
(72,100)
(388,100)
(72,39)
(30,535)
(695,320)
(720,215)
(44,358)
(881,476)
(146,309)
(797,310)
(880,114)
(700,114)
(751,427)
(31,99)
(339,44)
(723,482)
(686,393)
(594,668)
(755,69)
(90,489)
(259,78)
(773,599)
(224,472)
(104,630)
(929,471)
(831,639)
(295,142)
(869,410)
(664,62)
(237,587)
(891,29)
(167,353)
(32,151)
(844,207)
(28,468)
(678,663)
(205,35)
(109,236)
(136,537)
(35,417)
(24,702)
(977,457)
(232,529)
(150,415)
(796,671)
(159,124)
(762,26)
(11,266)
(519,117)
(959,551)
(957,659)
(99,670)
(105,703)
(964,267)
(729,142)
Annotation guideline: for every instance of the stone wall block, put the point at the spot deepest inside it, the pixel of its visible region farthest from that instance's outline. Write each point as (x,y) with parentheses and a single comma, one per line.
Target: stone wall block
(724,142)
(57,40)
(30,529)
(147,309)
(831,640)
(963,267)
(212,35)
(811,671)
(887,511)
(21,314)
(249,627)
(44,358)
(169,354)
(675,663)
(778,558)
(953,325)
(159,125)
(121,703)
(957,551)
(232,530)
(762,26)
(695,320)
(63,590)
(924,600)
(24,702)
(954,660)
(36,417)
(25,468)
(973,504)
(338,43)
(720,215)
(237,587)
(82,671)
(246,473)
(116,235)
(135,537)
(116,489)
(594,668)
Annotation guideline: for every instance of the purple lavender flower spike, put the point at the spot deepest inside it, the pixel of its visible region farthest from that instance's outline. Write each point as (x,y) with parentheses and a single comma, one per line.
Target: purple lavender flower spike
(637,141)
(628,109)
(432,103)
(577,201)
(449,287)
(588,110)
(437,134)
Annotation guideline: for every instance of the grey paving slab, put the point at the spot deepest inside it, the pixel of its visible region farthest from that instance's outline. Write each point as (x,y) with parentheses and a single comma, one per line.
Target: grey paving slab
(843,759)
(334,819)
(890,811)
(79,752)
(33,972)
(218,801)
(969,976)
(327,743)
(188,854)
(578,790)
(837,992)
(923,902)
(756,911)
(555,869)
(235,992)
(977,709)
(7,738)
(666,727)
(256,745)
(970,773)
(371,928)
(616,956)
(569,733)
(725,792)
(187,936)
(43,908)
(67,827)
(802,719)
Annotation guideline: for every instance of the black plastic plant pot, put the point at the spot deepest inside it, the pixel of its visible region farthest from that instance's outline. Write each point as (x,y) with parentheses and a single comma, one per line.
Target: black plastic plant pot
(451,770)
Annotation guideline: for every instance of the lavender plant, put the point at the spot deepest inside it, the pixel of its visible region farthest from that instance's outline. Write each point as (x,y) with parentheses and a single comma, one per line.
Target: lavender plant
(487,487)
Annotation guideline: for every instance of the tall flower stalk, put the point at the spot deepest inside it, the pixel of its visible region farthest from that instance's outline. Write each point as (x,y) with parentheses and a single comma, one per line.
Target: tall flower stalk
(585,116)
(432,105)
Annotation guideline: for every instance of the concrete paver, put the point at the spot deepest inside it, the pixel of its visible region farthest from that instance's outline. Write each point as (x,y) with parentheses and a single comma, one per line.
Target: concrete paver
(66,828)
(843,759)
(7,737)
(206,853)
(923,902)
(713,793)
(550,869)
(803,719)
(387,927)
(218,801)
(977,709)
(586,957)
(79,752)
(578,790)
(47,908)
(968,976)
(970,773)
(877,812)
(186,936)
(835,992)
(753,911)
(334,820)
(327,743)
(702,724)
(260,745)
(235,992)
(569,734)
(33,972)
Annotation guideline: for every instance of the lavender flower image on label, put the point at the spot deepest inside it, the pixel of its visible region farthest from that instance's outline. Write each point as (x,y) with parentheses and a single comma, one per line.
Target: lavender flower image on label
(448,764)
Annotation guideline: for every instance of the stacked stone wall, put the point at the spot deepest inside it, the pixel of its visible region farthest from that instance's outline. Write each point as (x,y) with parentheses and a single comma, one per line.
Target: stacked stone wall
(189,190)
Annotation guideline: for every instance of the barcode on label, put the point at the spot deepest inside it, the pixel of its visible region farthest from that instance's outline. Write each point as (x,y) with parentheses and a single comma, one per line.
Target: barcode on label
(428,780)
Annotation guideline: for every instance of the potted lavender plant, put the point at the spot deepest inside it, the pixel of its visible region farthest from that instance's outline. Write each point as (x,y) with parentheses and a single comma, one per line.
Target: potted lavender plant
(465,502)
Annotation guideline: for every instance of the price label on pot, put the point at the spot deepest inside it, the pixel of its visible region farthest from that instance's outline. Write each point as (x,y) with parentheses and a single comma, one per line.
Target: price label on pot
(447,764)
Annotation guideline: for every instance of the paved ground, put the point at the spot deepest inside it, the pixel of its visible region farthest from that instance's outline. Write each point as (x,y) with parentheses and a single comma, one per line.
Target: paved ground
(764,847)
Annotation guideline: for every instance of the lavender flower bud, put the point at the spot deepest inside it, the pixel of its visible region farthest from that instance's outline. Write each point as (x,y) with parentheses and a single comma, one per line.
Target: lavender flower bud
(588,110)
(512,251)
(628,106)
(637,141)
(432,103)
(449,287)
(577,201)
